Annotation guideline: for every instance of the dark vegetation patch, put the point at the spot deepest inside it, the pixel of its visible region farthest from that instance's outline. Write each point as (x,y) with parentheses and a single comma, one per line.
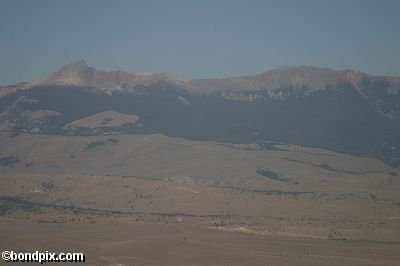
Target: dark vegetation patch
(112,140)
(48,186)
(79,131)
(8,204)
(337,119)
(326,167)
(276,176)
(270,145)
(93,144)
(259,145)
(270,192)
(318,154)
(108,119)
(9,161)
(13,135)
(141,177)
(5,208)
(392,162)
(330,168)
(128,124)
(372,196)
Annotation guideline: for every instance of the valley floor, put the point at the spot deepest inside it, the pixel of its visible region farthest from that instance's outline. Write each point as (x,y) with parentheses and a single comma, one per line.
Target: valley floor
(182,244)
(155,200)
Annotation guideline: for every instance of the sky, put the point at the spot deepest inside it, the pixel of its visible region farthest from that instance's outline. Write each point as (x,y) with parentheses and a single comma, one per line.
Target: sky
(198,39)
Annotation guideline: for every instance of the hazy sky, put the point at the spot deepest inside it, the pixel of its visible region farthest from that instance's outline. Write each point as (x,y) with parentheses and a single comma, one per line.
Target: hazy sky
(205,38)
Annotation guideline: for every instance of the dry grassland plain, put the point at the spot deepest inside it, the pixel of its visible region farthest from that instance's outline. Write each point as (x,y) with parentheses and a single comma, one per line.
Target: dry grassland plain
(157,200)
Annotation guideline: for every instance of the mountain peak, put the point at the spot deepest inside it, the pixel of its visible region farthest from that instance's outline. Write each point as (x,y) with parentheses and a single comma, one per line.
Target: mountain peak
(76,65)
(79,73)
(76,72)
(304,78)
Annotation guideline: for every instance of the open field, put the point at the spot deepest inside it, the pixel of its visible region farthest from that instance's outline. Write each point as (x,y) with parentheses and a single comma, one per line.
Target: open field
(103,119)
(151,199)
(179,244)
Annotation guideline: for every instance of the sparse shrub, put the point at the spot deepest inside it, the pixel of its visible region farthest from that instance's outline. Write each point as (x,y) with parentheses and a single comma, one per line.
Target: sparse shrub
(128,124)
(113,141)
(93,144)
(48,186)
(4,208)
(275,176)
(326,167)
(9,161)
(13,135)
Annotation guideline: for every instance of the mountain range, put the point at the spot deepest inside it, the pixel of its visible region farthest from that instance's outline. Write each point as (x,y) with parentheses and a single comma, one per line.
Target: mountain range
(346,111)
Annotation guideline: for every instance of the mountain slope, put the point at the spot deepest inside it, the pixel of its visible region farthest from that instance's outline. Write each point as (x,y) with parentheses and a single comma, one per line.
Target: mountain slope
(78,73)
(346,111)
(383,93)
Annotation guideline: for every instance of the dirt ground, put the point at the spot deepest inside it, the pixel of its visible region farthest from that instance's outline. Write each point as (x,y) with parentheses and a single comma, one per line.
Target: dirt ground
(180,244)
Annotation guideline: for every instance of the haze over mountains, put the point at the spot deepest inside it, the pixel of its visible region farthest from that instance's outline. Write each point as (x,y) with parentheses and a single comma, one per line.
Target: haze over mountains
(279,163)
(346,111)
